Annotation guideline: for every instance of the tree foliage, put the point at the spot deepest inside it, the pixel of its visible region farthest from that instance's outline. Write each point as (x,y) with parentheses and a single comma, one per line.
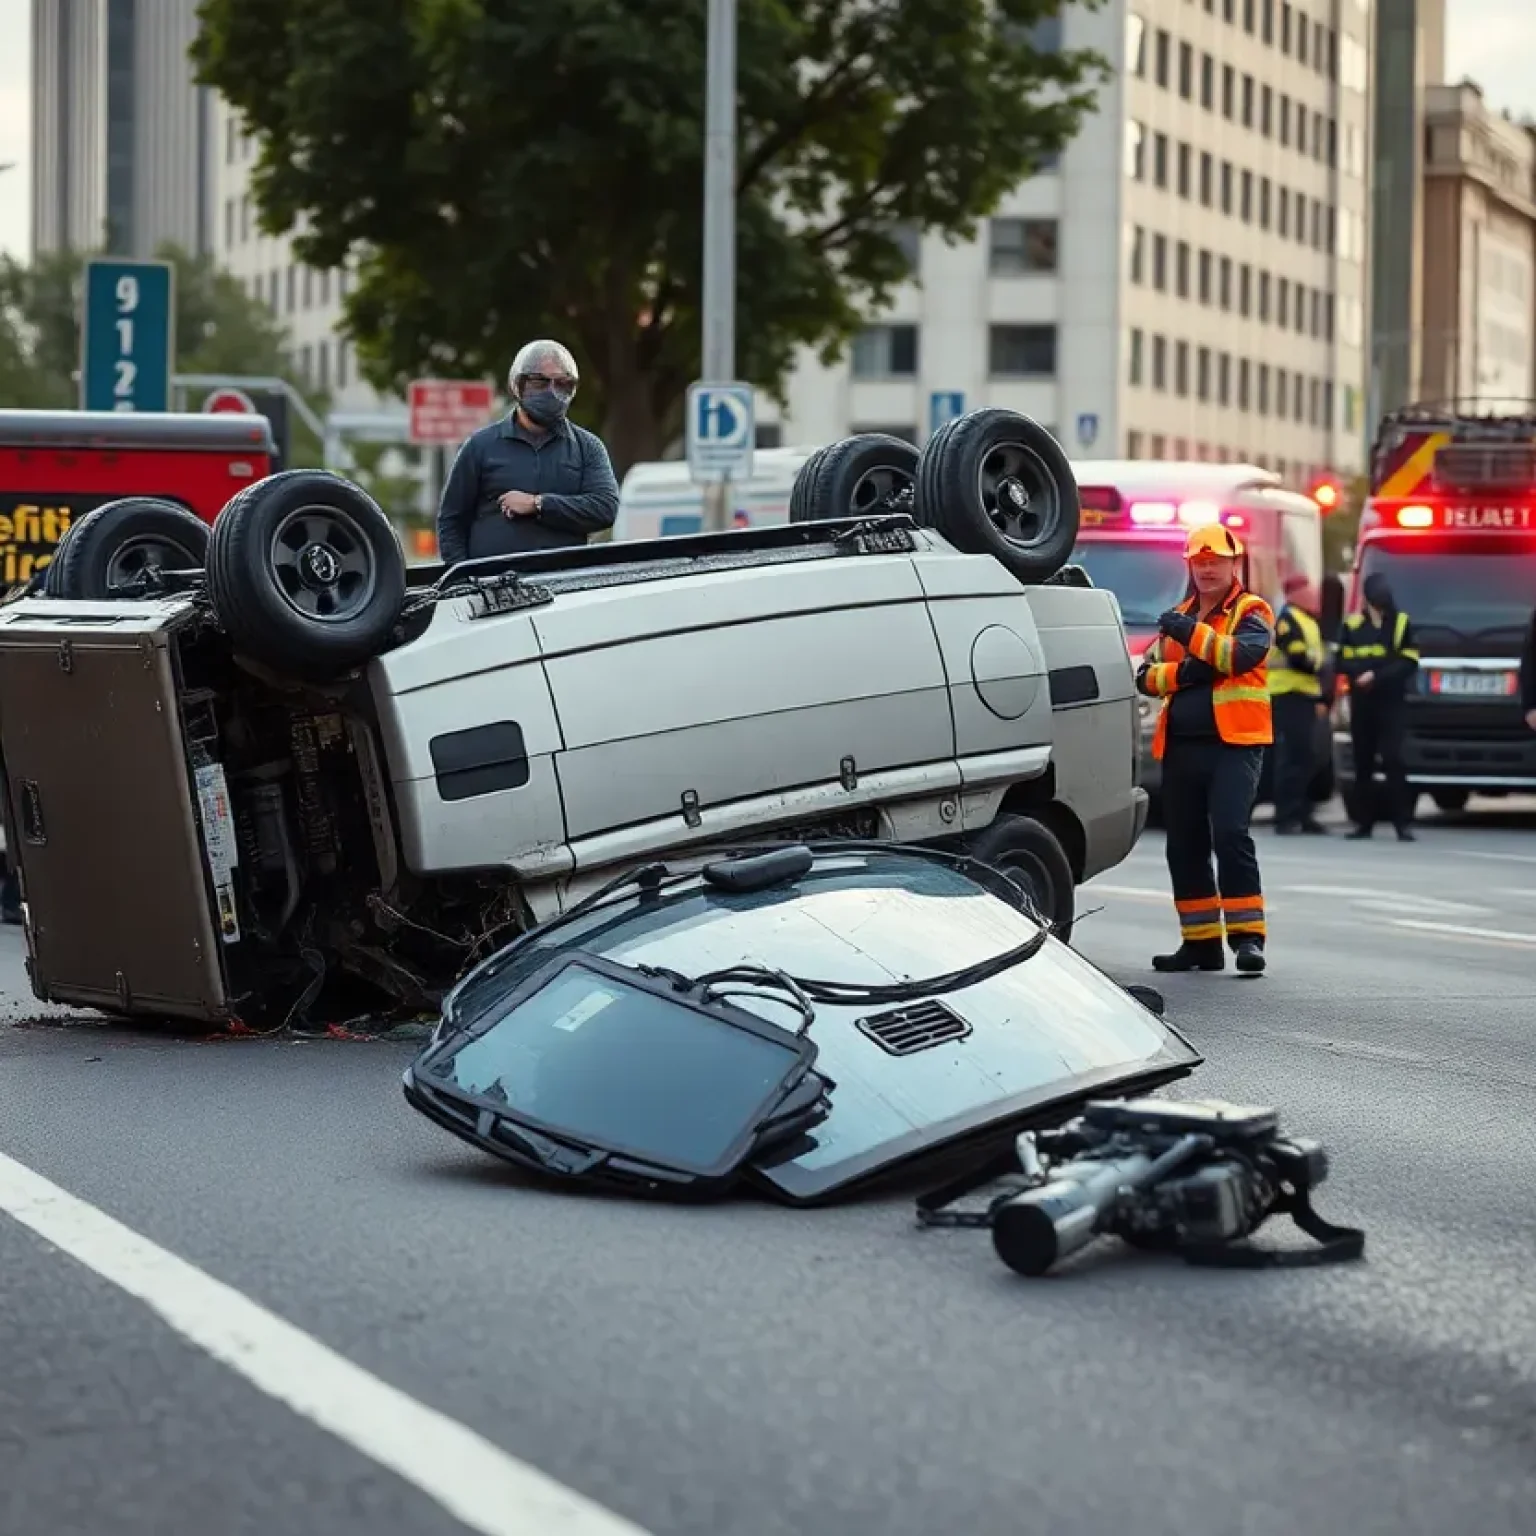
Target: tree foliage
(506,170)
(220,328)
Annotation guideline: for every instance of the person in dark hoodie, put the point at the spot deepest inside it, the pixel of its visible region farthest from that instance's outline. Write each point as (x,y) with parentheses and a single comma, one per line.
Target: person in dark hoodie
(1528,676)
(1378,656)
(533,481)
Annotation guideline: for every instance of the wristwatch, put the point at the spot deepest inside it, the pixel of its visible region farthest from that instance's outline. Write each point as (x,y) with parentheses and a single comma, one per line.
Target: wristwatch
(538,505)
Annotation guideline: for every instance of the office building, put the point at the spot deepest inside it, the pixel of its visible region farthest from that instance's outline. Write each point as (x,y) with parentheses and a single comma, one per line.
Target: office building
(1479,254)
(120,131)
(1189,281)
(306,302)
(1409,58)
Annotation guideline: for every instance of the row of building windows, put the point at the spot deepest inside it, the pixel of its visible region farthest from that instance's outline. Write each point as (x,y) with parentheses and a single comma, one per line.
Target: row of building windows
(1282,24)
(1176,267)
(1241,98)
(1197,176)
(1219,378)
(293,290)
(1013,352)
(1015,247)
(1158,445)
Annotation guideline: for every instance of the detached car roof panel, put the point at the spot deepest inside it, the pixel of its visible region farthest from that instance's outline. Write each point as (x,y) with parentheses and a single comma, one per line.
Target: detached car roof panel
(1051,1028)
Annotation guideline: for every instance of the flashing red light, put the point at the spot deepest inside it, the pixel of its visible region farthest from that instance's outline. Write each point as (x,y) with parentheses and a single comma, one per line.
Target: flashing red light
(1234,519)
(1327,496)
(1415,517)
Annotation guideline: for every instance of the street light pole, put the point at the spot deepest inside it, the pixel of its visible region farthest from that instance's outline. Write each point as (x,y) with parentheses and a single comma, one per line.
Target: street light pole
(719,341)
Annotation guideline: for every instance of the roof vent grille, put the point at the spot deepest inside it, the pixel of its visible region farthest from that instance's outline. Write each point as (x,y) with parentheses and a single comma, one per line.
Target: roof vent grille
(913,1028)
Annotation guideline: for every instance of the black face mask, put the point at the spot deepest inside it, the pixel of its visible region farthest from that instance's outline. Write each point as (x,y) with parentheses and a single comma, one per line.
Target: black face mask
(545,408)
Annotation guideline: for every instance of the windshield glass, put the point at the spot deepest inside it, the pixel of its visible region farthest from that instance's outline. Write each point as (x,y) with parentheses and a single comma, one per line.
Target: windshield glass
(1148,578)
(1037,1030)
(618,1066)
(1481,592)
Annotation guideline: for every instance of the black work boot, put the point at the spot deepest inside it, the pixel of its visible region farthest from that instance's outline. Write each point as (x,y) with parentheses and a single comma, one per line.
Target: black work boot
(1249,955)
(1193,955)
(1314,828)
(1406,834)
(1360,832)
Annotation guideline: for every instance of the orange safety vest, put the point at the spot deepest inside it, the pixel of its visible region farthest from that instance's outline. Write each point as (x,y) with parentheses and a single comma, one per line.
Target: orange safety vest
(1241,704)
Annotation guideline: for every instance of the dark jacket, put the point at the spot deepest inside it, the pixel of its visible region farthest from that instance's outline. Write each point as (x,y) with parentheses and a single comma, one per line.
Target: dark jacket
(1528,670)
(1390,652)
(568,466)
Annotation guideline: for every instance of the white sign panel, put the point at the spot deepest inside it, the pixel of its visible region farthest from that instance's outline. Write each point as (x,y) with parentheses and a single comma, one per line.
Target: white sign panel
(721,431)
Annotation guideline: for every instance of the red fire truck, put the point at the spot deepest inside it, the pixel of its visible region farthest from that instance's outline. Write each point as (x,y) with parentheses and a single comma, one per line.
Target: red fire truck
(55,466)
(1450,521)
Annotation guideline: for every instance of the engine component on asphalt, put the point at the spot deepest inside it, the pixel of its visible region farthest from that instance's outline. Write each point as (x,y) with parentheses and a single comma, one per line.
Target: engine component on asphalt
(1196,1178)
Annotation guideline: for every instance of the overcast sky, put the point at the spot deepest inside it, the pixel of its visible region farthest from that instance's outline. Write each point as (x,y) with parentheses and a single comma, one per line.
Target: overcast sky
(1491,41)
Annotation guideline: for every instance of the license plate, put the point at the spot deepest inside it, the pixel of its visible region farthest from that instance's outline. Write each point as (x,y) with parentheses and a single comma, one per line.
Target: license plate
(1477,685)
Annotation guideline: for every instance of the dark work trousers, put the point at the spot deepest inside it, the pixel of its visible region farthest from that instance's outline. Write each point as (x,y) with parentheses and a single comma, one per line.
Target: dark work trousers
(1376,729)
(1295,731)
(1208,794)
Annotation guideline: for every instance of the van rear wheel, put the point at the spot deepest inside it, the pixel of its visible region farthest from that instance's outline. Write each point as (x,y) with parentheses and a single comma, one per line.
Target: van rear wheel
(117,550)
(867,475)
(995,482)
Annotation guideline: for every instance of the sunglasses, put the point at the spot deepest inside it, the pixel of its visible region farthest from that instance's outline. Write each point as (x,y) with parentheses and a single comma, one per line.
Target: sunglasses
(561,384)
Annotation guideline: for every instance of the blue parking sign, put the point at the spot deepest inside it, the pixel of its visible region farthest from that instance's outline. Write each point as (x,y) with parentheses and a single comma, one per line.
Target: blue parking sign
(127,336)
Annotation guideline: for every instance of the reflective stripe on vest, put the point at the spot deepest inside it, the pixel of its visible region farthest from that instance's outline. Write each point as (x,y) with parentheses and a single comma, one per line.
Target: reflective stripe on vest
(1240,704)
(1356,622)
(1283,677)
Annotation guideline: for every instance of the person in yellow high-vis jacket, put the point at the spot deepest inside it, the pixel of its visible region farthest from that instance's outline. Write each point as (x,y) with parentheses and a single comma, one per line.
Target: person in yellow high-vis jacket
(1209,666)
(1296,693)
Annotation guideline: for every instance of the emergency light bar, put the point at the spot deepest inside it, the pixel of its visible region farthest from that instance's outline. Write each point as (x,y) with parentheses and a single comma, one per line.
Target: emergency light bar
(1102,504)
(1191,514)
(1515,518)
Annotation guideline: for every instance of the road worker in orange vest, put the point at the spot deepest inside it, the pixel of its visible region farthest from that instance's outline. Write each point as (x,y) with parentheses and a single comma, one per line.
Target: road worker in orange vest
(1209,666)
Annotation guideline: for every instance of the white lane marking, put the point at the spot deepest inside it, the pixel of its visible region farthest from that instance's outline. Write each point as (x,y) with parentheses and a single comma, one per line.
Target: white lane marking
(1455,930)
(479,1484)
(1502,858)
(1136,892)
(1372,895)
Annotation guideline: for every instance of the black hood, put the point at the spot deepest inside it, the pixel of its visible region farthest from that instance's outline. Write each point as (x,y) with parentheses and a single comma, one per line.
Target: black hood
(1378,593)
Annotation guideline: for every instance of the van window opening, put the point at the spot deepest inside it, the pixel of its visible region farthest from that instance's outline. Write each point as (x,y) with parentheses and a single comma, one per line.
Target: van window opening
(1146,578)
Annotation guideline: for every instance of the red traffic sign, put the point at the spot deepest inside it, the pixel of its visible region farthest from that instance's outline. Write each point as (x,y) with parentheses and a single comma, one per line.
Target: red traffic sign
(230,402)
(445,411)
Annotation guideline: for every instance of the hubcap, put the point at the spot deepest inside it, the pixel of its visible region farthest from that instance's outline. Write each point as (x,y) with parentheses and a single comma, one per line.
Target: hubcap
(880,489)
(1018,494)
(323,565)
(136,560)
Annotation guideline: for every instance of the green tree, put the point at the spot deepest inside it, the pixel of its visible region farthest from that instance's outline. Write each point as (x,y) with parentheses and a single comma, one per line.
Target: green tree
(505,171)
(1342,525)
(220,328)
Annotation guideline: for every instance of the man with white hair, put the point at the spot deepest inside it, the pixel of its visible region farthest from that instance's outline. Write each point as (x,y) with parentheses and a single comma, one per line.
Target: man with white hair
(533,481)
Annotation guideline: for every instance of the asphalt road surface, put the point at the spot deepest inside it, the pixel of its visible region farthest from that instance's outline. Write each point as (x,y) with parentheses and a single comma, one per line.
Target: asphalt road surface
(321,1315)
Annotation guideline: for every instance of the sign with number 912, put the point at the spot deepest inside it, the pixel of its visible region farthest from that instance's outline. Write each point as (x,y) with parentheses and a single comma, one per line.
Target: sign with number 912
(127,335)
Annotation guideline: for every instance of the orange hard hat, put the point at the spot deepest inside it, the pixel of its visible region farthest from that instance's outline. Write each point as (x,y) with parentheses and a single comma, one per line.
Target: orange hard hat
(1213,539)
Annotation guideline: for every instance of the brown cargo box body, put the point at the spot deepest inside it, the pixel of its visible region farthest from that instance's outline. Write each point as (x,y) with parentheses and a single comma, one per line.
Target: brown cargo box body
(101,813)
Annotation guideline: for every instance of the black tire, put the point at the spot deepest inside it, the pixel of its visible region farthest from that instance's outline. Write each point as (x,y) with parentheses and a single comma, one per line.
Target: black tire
(1029,853)
(306,574)
(860,476)
(800,491)
(995,482)
(1450,800)
(100,556)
